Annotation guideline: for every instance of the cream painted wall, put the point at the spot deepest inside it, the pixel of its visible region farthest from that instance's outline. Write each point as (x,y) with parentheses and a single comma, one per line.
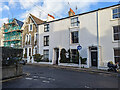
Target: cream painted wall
(107,43)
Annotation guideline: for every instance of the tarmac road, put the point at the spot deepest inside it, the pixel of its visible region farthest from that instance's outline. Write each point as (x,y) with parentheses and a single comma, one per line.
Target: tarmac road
(49,77)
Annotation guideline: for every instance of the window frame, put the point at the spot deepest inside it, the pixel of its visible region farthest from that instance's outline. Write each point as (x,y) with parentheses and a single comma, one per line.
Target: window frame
(116,56)
(74,21)
(46,54)
(115,33)
(46,40)
(46,28)
(30,27)
(116,13)
(30,38)
(73,42)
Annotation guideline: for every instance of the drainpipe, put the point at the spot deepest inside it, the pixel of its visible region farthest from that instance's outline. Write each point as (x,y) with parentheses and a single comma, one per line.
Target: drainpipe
(97,37)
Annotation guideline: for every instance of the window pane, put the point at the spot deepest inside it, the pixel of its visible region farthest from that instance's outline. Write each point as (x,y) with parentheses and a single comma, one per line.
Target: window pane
(115,11)
(46,27)
(115,29)
(46,40)
(30,27)
(74,36)
(46,54)
(115,16)
(116,36)
(119,10)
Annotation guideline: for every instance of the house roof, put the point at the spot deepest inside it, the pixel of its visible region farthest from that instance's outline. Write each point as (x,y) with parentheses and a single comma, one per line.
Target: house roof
(37,20)
(82,13)
(20,23)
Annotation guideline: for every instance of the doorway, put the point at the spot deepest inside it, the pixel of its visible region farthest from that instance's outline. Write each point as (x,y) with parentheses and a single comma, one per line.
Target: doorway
(94,57)
(56,55)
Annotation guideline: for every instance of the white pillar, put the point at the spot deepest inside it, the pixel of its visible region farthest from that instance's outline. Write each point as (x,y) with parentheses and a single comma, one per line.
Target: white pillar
(32,61)
(88,57)
(59,56)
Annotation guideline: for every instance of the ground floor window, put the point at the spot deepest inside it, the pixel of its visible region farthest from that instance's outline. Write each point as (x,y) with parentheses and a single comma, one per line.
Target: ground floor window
(46,55)
(117,55)
(29,51)
(74,56)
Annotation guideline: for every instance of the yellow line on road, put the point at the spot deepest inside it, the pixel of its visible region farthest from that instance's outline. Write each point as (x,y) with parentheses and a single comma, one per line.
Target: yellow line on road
(10,79)
(27,74)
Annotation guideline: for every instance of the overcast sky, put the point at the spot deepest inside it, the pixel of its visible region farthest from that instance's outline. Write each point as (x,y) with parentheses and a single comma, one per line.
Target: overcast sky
(19,9)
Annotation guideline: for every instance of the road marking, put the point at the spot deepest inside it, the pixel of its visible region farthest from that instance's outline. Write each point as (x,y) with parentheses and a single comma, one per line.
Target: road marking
(10,79)
(42,77)
(44,81)
(87,87)
(51,79)
(35,76)
(29,78)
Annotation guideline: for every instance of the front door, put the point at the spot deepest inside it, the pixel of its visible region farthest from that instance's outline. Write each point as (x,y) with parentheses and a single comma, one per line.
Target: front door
(57,55)
(94,58)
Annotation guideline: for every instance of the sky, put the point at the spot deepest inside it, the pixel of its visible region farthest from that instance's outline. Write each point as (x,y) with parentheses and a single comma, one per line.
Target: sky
(20,9)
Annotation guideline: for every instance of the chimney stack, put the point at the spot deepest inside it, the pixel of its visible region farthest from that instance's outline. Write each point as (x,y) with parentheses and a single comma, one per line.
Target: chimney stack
(71,12)
(50,17)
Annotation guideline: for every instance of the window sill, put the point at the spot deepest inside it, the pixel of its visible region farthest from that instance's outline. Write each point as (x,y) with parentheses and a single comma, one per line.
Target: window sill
(74,44)
(71,27)
(115,19)
(116,41)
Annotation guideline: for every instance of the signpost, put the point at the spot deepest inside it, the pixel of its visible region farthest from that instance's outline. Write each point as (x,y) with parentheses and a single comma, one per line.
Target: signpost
(79,48)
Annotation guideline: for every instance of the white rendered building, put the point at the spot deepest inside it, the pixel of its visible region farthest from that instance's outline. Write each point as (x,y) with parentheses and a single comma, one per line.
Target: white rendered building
(98,32)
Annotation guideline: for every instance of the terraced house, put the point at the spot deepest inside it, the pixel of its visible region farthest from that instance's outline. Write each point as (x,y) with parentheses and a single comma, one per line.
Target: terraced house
(30,36)
(12,33)
(98,32)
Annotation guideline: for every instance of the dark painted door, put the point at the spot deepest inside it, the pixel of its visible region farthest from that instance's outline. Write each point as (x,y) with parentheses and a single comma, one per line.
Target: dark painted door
(57,55)
(94,58)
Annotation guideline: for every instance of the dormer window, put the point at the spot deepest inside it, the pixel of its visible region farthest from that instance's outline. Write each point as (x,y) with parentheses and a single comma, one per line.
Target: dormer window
(30,27)
(46,27)
(74,21)
(116,13)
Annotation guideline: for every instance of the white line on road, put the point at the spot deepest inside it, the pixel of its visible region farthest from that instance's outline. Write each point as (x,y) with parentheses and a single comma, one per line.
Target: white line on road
(44,81)
(29,78)
(87,87)
(42,77)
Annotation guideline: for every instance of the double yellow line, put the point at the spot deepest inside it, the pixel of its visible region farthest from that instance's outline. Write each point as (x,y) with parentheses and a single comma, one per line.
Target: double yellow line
(27,74)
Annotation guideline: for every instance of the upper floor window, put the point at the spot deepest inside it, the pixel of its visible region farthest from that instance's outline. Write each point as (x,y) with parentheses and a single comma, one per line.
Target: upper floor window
(30,39)
(26,38)
(116,31)
(46,40)
(116,13)
(46,27)
(30,27)
(74,21)
(117,55)
(74,37)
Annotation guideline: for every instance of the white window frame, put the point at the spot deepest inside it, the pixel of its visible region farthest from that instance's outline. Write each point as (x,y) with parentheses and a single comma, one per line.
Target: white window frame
(46,27)
(115,33)
(46,54)
(71,37)
(74,22)
(118,12)
(114,53)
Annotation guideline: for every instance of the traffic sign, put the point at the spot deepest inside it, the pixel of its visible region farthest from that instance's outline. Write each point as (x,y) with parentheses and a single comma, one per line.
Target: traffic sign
(79,47)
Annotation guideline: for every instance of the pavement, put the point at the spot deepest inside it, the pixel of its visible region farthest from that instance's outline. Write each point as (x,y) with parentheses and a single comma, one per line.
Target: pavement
(89,70)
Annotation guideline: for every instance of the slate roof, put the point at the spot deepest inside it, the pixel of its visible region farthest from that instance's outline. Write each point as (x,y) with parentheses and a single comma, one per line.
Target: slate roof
(20,23)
